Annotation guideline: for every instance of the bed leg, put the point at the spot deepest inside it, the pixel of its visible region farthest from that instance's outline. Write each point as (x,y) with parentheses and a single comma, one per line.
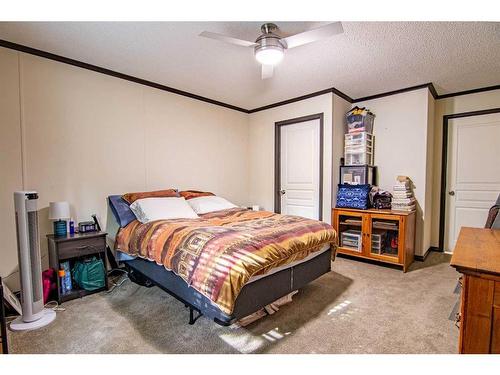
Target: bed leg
(192,318)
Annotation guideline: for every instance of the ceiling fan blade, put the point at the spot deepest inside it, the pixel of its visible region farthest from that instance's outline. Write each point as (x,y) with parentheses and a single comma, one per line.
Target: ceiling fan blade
(227,39)
(314,35)
(267,71)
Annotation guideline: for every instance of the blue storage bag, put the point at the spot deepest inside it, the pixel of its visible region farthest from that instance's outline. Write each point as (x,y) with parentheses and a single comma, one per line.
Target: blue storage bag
(353,196)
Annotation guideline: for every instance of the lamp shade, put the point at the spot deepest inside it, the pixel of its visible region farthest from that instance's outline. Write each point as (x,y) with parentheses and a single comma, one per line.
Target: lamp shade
(59,210)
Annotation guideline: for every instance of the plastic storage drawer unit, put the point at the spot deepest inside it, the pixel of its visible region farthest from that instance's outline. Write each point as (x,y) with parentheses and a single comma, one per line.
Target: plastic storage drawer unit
(358,139)
(358,158)
(356,149)
(351,239)
(378,241)
(358,174)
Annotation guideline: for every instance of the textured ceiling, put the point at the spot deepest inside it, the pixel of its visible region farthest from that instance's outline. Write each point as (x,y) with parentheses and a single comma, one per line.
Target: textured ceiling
(369,58)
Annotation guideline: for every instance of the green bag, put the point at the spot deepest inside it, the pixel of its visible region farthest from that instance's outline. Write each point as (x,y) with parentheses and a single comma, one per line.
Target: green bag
(89,274)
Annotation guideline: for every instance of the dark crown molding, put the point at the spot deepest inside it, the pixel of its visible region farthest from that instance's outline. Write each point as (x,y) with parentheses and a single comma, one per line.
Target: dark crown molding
(80,64)
(429,86)
(303,97)
(337,92)
(98,69)
(466,92)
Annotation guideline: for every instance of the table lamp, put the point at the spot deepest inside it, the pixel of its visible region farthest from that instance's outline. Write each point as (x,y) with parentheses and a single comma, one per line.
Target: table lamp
(59,212)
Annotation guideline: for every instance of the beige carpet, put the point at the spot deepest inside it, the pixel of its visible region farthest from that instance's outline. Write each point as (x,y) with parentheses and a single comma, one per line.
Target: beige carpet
(357,308)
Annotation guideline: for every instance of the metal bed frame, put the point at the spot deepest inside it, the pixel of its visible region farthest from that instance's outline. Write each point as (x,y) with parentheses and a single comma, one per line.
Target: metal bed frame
(253,296)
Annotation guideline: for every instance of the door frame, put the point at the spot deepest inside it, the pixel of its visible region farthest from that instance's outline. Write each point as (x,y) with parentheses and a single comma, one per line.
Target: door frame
(444,166)
(277,158)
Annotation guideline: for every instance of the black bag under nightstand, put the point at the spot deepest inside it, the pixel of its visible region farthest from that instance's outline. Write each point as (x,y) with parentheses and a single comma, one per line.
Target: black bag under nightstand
(73,248)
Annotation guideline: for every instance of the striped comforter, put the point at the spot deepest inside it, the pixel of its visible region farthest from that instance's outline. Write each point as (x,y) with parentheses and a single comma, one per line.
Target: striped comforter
(219,252)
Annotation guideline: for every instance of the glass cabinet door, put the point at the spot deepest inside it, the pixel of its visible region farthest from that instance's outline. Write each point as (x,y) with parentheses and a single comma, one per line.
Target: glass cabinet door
(384,237)
(350,231)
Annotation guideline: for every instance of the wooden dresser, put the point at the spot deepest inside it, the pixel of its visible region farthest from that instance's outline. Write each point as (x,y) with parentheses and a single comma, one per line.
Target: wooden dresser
(379,235)
(477,257)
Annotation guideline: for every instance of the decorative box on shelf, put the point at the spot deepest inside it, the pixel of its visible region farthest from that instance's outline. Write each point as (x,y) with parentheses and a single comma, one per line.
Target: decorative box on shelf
(358,174)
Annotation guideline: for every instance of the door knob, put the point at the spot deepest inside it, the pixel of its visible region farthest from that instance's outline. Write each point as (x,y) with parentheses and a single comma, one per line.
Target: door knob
(282,192)
(451,192)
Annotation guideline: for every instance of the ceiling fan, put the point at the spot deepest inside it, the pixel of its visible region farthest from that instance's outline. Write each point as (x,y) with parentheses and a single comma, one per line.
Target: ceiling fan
(269,47)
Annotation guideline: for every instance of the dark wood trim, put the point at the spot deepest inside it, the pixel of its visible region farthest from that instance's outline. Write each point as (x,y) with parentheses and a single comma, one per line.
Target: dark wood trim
(342,95)
(429,86)
(98,69)
(467,92)
(277,158)
(112,73)
(433,91)
(444,164)
(303,97)
(422,258)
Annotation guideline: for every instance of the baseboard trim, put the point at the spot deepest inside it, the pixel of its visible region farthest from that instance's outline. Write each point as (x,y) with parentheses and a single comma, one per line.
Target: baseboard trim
(422,258)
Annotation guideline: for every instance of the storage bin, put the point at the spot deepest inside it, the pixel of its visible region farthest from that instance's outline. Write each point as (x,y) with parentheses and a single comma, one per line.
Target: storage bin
(358,174)
(358,139)
(353,196)
(357,149)
(378,239)
(358,158)
(359,120)
(351,239)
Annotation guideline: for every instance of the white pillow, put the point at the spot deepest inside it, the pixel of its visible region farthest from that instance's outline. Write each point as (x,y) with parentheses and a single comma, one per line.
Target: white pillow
(202,205)
(150,209)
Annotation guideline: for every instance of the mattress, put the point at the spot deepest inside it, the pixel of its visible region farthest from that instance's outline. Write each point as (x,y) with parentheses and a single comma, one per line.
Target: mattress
(123,257)
(218,252)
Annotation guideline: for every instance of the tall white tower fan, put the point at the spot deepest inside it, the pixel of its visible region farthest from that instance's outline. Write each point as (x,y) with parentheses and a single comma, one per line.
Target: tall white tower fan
(28,246)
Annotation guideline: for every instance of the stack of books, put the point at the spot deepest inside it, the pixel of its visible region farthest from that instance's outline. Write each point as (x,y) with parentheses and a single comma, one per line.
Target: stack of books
(402,195)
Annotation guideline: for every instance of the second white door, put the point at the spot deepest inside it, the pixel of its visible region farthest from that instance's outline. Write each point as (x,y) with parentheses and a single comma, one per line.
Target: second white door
(300,169)
(473,182)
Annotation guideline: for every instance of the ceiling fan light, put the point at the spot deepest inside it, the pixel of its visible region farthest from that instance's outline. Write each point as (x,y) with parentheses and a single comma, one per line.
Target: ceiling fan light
(269,56)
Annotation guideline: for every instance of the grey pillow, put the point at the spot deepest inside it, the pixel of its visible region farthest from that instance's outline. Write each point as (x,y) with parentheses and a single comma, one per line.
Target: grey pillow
(121,210)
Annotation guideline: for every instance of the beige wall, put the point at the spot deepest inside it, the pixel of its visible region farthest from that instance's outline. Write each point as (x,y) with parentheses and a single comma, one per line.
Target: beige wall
(340,108)
(88,135)
(76,135)
(261,149)
(10,157)
(447,106)
(401,145)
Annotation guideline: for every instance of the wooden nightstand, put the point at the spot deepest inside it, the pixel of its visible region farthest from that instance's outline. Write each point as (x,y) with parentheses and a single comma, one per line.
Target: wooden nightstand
(71,248)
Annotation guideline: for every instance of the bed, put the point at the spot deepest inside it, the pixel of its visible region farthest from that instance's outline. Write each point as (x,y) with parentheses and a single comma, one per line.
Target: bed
(228,264)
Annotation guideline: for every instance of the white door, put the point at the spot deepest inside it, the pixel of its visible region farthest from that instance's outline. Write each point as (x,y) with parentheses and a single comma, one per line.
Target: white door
(300,169)
(473,177)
